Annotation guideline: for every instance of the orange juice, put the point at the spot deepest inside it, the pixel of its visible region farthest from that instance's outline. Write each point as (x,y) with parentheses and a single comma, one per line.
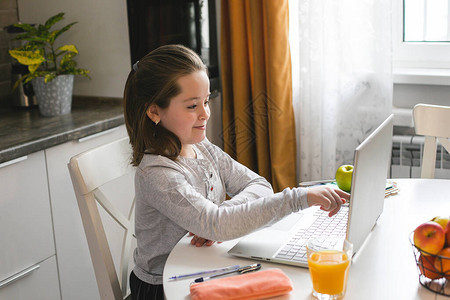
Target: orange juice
(329,270)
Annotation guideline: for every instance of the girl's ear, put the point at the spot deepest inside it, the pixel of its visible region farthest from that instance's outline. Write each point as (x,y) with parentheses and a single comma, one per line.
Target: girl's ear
(152,113)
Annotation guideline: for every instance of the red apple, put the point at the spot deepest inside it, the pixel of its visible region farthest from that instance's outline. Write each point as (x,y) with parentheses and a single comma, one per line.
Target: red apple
(447,234)
(429,237)
(426,266)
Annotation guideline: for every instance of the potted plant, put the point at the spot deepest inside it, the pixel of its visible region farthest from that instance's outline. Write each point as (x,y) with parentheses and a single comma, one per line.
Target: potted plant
(51,68)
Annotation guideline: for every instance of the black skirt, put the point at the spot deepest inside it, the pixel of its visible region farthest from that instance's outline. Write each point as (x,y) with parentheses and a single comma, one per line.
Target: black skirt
(141,290)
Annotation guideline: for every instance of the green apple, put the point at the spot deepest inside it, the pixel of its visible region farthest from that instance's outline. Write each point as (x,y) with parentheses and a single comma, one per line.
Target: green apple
(441,220)
(344,177)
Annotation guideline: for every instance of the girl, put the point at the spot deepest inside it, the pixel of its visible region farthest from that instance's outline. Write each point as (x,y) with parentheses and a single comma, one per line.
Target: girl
(182,179)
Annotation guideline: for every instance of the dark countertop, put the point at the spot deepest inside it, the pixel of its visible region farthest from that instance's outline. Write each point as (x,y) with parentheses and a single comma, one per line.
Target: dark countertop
(25,131)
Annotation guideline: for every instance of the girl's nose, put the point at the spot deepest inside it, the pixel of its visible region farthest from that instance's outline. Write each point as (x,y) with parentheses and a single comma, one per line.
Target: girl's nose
(204,113)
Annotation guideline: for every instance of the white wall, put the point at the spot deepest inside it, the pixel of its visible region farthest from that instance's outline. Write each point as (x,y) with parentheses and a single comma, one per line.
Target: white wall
(406,96)
(101,36)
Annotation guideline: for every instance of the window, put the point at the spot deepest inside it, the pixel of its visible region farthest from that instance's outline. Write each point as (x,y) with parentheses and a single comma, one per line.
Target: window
(426,21)
(421,34)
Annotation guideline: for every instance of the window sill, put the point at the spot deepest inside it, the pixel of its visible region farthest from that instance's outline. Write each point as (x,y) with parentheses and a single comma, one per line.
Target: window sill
(421,76)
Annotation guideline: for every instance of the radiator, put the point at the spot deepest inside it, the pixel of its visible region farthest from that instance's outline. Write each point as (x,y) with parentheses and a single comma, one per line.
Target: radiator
(407,156)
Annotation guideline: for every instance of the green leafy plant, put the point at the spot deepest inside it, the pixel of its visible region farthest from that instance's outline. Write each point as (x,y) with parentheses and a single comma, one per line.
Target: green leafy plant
(40,53)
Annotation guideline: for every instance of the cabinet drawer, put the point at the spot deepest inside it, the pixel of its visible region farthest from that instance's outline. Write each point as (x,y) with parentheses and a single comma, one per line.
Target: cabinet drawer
(26,232)
(39,281)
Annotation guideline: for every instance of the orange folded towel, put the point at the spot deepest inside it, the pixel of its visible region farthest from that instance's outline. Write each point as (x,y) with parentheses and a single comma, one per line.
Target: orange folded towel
(257,285)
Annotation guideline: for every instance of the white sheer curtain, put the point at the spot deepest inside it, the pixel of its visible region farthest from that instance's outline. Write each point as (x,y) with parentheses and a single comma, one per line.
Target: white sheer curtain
(342,78)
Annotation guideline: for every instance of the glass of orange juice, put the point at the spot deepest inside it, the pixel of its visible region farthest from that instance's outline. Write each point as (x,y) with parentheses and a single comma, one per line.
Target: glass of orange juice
(329,261)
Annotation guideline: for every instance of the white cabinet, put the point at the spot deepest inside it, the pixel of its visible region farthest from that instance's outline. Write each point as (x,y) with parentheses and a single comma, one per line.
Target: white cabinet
(76,273)
(39,282)
(41,233)
(26,232)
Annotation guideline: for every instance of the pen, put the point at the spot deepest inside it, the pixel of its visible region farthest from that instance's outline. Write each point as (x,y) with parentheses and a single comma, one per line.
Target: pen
(225,269)
(243,270)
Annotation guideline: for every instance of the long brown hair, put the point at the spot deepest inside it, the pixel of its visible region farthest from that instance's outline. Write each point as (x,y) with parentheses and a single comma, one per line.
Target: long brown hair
(154,80)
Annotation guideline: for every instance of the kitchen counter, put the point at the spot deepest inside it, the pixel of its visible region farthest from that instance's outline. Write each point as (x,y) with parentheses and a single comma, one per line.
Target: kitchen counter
(25,131)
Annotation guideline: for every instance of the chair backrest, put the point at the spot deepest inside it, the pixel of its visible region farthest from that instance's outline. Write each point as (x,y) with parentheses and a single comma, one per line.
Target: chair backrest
(433,122)
(89,171)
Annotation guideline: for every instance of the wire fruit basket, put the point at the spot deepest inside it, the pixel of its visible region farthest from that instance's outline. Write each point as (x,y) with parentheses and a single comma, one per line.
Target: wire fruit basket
(429,276)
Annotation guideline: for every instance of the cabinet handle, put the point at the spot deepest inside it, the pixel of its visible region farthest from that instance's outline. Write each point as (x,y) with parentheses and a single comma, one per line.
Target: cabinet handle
(19,275)
(13,161)
(92,136)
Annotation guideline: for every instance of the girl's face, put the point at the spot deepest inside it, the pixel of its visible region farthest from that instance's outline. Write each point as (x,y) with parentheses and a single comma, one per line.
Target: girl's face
(188,112)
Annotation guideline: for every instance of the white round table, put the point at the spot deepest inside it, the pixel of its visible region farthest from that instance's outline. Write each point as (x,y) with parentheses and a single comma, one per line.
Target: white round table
(383,269)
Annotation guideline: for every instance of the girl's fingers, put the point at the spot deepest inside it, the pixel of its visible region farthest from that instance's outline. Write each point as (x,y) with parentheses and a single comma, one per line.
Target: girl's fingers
(331,198)
(332,201)
(199,241)
(343,194)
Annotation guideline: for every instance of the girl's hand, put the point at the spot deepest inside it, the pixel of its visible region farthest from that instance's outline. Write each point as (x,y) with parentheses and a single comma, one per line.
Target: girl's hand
(199,241)
(328,198)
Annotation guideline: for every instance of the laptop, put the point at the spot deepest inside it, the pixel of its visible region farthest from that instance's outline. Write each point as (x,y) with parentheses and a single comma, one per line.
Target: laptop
(354,221)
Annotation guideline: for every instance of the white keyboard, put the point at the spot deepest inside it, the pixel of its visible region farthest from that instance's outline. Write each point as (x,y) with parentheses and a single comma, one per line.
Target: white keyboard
(323,226)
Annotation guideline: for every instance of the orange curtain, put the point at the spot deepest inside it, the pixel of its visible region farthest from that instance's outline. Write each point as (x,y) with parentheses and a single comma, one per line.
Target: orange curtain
(258,117)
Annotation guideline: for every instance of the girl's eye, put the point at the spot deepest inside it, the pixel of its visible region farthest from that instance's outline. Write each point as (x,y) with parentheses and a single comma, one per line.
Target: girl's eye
(193,106)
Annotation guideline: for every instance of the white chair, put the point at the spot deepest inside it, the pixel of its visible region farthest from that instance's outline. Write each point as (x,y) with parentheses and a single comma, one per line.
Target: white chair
(433,122)
(90,171)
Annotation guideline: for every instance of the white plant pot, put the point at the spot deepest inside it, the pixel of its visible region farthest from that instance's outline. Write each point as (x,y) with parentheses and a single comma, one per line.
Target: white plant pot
(55,97)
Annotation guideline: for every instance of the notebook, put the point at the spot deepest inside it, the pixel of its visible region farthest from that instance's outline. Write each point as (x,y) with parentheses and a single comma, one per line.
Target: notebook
(354,221)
